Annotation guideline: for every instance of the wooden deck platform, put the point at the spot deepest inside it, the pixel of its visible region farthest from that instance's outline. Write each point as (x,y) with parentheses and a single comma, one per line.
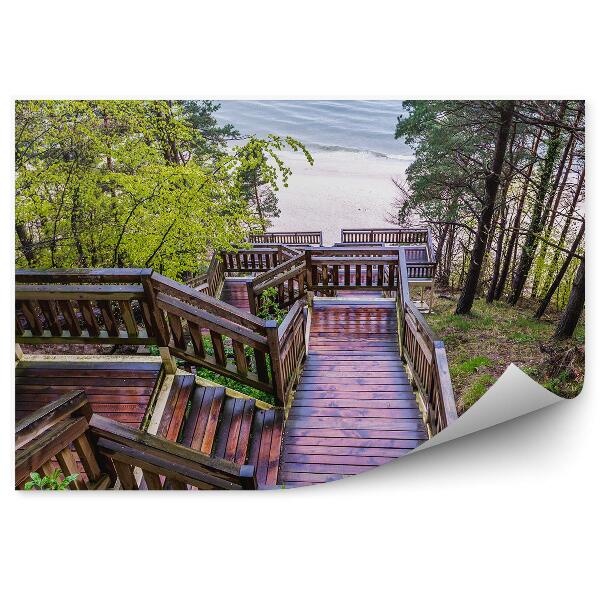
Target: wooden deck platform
(119,390)
(354,407)
(234,293)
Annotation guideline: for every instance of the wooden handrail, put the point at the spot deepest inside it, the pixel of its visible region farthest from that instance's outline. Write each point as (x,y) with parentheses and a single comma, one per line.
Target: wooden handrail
(68,432)
(45,437)
(251,260)
(81,276)
(425,355)
(288,278)
(154,310)
(289,237)
(292,345)
(388,236)
(349,268)
(72,403)
(89,306)
(128,447)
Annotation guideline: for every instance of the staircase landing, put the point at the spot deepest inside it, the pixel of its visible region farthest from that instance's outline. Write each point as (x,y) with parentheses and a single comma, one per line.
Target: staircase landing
(234,293)
(354,407)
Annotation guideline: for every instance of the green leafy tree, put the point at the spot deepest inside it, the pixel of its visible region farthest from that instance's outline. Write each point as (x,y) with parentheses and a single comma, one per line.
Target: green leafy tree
(133,183)
(210,138)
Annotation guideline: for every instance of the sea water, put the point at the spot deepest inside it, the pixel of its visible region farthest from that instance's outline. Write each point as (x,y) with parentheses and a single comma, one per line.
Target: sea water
(356,160)
(322,125)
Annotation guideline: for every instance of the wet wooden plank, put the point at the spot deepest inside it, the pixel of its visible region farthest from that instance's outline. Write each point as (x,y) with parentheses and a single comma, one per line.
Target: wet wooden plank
(175,407)
(120,390)
(354,408)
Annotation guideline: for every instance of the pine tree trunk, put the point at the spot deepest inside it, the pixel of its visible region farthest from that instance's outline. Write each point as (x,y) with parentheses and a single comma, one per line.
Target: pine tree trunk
(565,230)
(498,259)
(546,300)
(442,276)
(536,225)
(512,240)
(574,308)
(492,182)
(562,176)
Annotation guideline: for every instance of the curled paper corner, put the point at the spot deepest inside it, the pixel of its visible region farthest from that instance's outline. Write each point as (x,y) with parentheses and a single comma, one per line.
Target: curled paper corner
(514,394)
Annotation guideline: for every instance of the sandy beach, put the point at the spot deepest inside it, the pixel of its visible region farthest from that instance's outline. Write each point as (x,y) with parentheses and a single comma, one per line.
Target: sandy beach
(341,190)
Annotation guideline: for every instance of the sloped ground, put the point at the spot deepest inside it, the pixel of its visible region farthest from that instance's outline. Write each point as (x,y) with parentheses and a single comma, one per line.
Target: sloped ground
(482,345)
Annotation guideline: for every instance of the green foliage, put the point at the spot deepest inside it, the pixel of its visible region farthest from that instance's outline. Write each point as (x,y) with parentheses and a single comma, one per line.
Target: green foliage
(235,385)
(269,306)
(557,384)
(210,138)
(50,482)
(134,183)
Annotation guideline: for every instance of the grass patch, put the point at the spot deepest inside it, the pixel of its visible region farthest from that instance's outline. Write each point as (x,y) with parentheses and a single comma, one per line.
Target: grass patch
(476,389)
(480,346)
(471,365)
(235,385)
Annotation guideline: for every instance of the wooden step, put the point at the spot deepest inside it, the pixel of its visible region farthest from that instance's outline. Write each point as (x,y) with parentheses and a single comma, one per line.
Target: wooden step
(233,435)
(265,446)
(205,412)
(175,409)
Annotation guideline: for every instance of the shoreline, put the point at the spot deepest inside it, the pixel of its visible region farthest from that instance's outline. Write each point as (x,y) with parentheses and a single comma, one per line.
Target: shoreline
(341,190)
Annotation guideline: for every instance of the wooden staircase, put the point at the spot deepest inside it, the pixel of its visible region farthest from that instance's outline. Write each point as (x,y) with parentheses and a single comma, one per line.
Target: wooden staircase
(236,429)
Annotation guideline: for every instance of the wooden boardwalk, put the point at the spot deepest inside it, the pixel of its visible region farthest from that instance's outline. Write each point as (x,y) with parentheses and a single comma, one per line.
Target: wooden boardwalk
(354,407)
(118,390)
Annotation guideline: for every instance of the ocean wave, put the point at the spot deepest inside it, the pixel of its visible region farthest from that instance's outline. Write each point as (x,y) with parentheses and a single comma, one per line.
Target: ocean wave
(316,147)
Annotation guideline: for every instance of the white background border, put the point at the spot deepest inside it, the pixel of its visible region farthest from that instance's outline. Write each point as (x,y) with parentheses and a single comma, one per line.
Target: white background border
(509,512)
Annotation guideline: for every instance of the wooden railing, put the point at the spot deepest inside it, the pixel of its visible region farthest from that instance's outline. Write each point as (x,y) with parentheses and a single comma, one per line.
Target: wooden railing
(289,237)
(386,236)
(198,282)
(43,441)
(292,343)
(421,271)
(101,450)
(355,268)
(107,307)
(253,260)
(288,278)
(425,356)
(224,339)
(103,306)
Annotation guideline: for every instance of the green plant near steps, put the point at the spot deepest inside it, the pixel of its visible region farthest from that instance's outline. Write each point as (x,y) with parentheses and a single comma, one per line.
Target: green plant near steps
(269,306)
(50,482)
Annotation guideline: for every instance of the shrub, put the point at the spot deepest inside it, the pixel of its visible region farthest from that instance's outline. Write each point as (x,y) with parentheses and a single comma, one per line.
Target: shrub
(50,482)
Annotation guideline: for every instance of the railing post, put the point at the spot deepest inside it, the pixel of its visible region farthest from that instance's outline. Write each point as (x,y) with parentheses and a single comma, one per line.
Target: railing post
(275,354)
(159,324)
(308,259)
(251,297)
(400,311)
(248,477)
